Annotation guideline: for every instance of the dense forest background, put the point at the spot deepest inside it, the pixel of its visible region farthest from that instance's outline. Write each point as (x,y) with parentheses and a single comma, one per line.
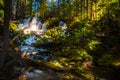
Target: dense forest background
(89,51)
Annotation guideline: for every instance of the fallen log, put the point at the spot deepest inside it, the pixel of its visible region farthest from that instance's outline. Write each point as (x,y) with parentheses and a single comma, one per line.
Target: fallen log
(44,64)
(47,44)
(16,37)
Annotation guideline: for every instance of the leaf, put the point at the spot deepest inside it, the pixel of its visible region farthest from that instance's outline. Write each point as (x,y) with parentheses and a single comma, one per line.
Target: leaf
(93,43)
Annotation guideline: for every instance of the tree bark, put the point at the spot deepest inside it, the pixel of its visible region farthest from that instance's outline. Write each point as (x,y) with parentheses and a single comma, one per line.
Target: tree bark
(119,3)
(31,7)
(17,9)
(7,14)
(87,8)
(81,9)
(91,10)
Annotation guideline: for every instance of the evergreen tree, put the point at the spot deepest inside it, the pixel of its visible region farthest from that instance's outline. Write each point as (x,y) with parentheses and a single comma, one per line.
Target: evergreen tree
(7,14)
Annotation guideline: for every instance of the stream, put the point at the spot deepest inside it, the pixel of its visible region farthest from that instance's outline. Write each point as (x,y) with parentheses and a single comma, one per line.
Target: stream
(28,50)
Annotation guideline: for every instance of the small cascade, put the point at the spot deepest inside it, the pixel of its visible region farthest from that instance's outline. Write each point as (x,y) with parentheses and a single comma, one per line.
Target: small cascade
(63,27)
(35,53)
(35,27)
(32,27)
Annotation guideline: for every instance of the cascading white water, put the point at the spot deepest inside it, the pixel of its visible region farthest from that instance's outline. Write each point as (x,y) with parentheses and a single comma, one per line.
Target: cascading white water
(63,27)
(36,53)
(35,26)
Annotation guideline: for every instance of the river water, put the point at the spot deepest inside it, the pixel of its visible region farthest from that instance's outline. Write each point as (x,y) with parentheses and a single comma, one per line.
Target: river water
(34,27)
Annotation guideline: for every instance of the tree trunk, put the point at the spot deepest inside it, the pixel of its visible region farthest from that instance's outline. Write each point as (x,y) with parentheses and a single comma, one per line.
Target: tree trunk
(91,12)
(119,3)
(81,9)
(31,7)
(57,11)
(7,14)
(17,9)
(95,10)
(25,5)
(87,8)
(84,9)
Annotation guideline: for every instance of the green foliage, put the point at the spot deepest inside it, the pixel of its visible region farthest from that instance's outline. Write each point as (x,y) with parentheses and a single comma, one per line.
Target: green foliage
(105,60)
(12,30)
(12,27)
(82,53)
(52,22)
(1,2)
(84,35)
(53,34)
(1,14)
(92,44)
(109,26)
